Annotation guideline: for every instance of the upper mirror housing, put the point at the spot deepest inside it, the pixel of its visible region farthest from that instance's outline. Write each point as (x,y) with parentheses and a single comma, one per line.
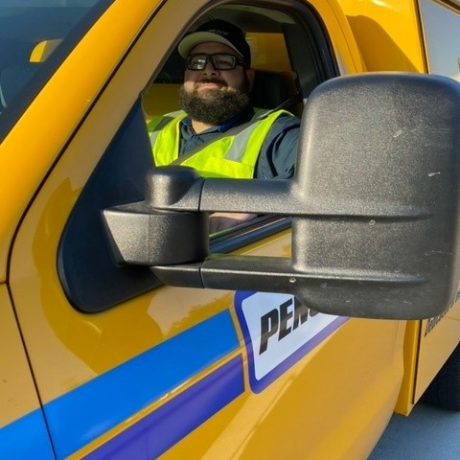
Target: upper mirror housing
(374,205)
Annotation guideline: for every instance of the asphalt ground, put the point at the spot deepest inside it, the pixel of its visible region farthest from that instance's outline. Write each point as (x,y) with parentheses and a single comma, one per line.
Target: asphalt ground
(428,433)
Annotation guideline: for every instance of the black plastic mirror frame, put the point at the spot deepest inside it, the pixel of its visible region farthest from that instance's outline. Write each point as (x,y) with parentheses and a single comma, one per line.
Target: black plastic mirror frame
(374,205)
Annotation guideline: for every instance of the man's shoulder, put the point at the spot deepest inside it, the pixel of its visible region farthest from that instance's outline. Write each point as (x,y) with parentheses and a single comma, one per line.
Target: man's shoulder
(286,120)
(279,119)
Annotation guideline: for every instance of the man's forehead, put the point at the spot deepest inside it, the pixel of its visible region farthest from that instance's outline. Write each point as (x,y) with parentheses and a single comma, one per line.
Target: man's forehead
(213,47)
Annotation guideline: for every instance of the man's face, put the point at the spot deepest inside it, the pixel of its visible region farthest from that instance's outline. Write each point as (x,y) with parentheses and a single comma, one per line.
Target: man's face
(210,79)
(214,96)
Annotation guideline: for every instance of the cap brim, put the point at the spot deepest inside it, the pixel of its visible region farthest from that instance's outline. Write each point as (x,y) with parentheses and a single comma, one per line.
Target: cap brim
(190,41)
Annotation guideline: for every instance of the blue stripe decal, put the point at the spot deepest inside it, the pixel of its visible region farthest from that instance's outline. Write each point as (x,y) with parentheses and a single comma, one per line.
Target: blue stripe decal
(156,433)
(82,415)
(26,438)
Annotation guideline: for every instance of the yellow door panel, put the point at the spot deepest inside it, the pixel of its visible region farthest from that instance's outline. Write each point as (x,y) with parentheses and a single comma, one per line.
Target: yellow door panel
(323,397)
(36,248)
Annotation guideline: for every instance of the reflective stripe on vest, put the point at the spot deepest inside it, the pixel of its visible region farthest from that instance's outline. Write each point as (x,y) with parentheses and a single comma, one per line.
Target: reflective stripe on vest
(232,156)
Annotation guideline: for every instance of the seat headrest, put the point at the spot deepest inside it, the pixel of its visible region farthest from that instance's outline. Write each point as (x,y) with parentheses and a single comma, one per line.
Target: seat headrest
(273,88)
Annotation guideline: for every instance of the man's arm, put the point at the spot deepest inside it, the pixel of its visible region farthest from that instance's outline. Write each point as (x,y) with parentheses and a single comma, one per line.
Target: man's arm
(221,220)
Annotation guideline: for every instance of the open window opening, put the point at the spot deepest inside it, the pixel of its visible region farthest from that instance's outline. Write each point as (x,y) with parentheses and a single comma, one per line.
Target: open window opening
(290,56)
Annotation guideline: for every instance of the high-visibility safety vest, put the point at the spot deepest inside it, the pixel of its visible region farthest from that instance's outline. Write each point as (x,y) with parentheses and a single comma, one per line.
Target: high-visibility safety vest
(233,155)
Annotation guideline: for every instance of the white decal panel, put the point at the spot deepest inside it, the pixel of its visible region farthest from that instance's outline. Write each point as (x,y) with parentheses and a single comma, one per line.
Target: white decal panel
(279,331)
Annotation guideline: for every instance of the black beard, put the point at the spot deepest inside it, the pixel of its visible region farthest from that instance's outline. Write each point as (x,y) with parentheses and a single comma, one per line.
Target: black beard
(216,107)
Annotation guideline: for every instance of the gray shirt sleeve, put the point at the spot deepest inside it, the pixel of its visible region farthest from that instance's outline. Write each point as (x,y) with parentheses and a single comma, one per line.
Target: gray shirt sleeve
(278,155)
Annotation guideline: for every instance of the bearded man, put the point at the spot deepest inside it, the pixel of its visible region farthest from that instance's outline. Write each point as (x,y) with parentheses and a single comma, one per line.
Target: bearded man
(218,132)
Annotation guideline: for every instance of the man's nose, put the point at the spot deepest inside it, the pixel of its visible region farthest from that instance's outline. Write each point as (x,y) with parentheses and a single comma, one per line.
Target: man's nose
(209,68)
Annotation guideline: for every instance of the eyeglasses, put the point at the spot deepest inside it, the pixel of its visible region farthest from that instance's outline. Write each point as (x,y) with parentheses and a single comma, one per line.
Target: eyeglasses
(219,61)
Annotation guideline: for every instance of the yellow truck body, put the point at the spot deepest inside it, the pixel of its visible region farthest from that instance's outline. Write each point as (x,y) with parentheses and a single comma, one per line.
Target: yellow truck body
(163,371)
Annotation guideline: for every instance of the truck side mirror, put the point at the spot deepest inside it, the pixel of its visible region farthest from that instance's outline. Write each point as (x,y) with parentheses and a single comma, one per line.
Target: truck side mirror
(374,206)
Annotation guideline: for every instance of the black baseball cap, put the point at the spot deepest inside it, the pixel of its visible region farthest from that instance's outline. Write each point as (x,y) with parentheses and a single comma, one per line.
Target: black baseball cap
(218,31)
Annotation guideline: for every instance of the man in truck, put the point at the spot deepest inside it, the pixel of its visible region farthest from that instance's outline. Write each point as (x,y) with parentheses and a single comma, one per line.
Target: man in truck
(216,103)
(218,132)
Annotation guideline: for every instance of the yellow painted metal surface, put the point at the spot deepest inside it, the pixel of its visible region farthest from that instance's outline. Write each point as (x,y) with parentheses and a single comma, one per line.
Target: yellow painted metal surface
(309,405)
(319,410)
(43,50)
(345,47)
(405,401)
(388,33)
(17,392)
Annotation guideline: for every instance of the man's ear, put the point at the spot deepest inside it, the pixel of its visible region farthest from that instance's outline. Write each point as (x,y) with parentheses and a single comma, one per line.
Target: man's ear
(250,74)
